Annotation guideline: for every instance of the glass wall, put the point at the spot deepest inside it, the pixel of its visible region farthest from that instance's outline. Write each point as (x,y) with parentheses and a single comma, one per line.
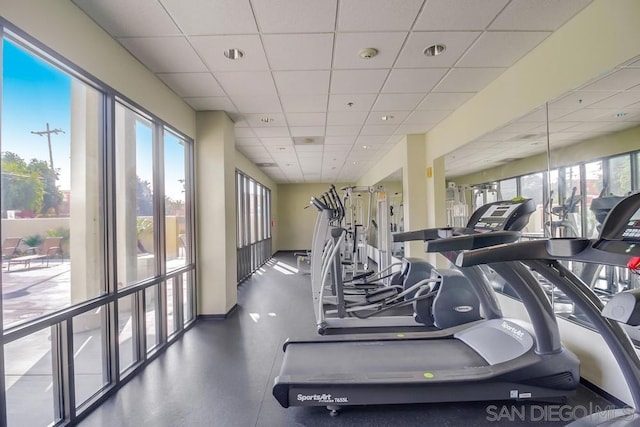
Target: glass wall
(253,224)
(98,254)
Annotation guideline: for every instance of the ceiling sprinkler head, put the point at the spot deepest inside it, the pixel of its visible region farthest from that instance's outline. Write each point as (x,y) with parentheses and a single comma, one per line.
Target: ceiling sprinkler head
(368,53)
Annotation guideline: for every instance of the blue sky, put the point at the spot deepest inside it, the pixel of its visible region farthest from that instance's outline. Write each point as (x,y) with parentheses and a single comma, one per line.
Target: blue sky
(35,93)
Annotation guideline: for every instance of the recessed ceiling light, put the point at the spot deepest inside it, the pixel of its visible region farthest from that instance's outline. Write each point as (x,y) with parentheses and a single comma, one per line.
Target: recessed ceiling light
(435,50)
(266,120)
(233,53)
(365,147)
(355,163)
(385,118)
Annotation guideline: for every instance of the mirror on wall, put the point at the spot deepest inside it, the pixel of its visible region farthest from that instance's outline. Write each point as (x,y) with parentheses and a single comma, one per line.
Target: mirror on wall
(575,156)
(387,214)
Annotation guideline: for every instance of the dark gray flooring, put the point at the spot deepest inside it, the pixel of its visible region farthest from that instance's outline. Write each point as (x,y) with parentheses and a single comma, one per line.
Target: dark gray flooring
(221,374)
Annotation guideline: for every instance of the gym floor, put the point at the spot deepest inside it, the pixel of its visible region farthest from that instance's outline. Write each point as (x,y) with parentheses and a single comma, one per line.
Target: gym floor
(220,373)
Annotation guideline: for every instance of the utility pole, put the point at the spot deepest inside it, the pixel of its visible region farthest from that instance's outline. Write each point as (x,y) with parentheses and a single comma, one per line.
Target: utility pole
(48,132)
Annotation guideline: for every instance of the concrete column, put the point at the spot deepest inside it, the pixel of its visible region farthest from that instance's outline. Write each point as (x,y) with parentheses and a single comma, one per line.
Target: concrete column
(414,187)
(215,213)
(126,232)
(85,245)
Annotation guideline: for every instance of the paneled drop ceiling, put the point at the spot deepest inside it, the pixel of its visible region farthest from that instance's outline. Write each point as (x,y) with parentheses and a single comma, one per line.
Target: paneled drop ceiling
(608,104)
(307,107)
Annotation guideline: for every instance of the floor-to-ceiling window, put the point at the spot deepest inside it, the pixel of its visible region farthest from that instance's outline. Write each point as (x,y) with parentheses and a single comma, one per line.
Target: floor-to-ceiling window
(97,234)
(253,232)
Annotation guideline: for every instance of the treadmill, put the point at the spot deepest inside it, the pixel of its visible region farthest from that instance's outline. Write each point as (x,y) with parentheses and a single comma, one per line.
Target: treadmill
(502,219)
(618,245)
(487,360)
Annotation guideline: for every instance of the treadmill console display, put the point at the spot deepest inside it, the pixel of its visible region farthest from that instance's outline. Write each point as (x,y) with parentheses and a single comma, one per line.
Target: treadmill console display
(632,231)
(621,230)
(495,217)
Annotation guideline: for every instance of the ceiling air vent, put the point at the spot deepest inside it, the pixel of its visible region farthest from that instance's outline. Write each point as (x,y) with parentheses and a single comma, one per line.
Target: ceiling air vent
(266,165)
(308,140)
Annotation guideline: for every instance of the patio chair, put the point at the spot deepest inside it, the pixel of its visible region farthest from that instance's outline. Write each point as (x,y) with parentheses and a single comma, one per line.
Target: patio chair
(49,248)
(10,247)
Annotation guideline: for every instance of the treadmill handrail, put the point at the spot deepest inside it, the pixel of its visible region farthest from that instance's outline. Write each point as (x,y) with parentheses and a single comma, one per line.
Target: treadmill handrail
(471,241)
(573,249)
(430,234)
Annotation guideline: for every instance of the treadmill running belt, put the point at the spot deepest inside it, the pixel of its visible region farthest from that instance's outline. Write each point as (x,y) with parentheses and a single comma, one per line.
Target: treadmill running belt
(362,357)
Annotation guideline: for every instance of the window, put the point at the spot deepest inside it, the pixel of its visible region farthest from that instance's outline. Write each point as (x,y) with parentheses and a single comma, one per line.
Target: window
(508,189)
(51,187)
(253,228)
(98,260)
(175,182)
(135,208)
(618,179)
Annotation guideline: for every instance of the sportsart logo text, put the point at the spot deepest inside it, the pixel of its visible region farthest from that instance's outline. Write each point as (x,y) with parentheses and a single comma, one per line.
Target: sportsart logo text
(515,331)
(324,398)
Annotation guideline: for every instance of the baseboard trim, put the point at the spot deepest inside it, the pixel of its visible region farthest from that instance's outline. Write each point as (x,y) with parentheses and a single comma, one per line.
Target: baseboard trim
(225,316)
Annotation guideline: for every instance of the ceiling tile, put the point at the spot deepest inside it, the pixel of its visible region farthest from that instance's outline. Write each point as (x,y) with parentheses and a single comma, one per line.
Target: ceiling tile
(413,80)
(211,103)
(344,118)
(348,46)
(501,49)
(591,114)
(272,120)
(298,51)
(307,131)
(539,15)
(308,150)
(376,130)
(623,79)
(579,99)
(211,16)
(391,117)
(426,116)
(371,140)
(212,48)
(276,132)
(257,104)
(622,99)
(165,54)
(302,82)
(357,81)
(358,101)
(192,84)
(306,119)
(458,14)
(304,103)
(397,101)
(278,142)
(468,79)
(295,16)
(124,18)
(444,100)
(246,83)
(339,140)
(377,15)
(456,43)
(342,130)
